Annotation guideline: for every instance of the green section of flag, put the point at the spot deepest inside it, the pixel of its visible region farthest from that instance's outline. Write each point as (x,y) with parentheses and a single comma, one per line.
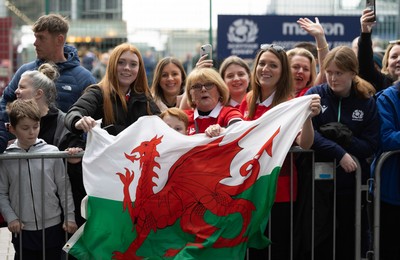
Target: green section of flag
(110,229)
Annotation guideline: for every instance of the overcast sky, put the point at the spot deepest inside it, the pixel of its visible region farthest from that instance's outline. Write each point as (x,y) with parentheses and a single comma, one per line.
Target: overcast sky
(185,13)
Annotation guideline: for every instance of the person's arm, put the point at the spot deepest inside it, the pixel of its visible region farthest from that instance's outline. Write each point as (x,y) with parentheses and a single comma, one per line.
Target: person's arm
(317,31)
(65,194)
(365,54)
(204,62)
(5,205)
(82,115)
(306,137)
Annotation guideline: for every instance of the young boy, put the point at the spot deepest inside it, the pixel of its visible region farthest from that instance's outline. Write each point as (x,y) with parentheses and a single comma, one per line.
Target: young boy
(176,119)
(22,188)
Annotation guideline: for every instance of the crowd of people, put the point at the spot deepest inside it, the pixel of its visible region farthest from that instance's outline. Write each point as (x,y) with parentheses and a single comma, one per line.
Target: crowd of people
(51,103)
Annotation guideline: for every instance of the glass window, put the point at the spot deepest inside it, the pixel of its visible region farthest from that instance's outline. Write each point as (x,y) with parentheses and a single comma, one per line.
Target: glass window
(112,4)
(65,6)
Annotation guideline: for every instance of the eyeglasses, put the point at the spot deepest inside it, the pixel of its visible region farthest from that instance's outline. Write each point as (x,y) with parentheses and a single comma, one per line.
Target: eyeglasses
(395,41)
(266,47)
(199,87)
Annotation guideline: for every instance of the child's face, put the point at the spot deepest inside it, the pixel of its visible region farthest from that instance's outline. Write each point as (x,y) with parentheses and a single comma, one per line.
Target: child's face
(175,123)
(26,131)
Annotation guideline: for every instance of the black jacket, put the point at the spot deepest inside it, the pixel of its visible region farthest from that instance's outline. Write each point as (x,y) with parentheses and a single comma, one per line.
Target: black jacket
(91,104)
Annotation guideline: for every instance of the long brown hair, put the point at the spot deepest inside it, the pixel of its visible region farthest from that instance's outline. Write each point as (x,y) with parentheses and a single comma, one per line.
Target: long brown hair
(284,87)
(345,59)
(156,89)
(110,84)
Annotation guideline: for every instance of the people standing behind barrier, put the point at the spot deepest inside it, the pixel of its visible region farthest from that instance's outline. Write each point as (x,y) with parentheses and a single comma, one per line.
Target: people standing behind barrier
(272,84)
(388,102)
(208,95)
(119,99)
(23,211)
(50,33)
(236,74)
(303,69)
(348,126)
(99,69)
(176,118)
(39,85)
(168,83)
(391,61)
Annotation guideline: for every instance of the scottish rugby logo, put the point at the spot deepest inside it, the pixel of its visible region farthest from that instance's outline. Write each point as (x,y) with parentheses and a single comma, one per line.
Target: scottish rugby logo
(243,31)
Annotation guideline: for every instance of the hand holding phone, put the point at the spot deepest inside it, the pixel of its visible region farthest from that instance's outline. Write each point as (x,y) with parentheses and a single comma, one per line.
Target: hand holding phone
(206,49)
(370,4)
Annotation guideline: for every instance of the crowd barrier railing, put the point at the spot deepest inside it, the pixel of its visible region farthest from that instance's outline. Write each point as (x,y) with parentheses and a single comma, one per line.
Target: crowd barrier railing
(377,200)
(360,188)
(42,157)
(295,150)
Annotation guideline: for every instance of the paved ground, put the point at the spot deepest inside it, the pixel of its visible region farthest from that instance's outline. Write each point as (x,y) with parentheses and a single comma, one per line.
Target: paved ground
(6,248)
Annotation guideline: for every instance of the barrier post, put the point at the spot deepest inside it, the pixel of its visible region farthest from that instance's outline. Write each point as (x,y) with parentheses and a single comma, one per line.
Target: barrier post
(377,200)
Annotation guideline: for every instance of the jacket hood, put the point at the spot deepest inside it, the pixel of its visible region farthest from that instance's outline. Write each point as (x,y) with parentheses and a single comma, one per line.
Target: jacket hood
(15,148)
(71,54)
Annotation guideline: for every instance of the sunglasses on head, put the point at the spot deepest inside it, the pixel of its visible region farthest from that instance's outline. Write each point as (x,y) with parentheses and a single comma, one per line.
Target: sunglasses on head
(266,47)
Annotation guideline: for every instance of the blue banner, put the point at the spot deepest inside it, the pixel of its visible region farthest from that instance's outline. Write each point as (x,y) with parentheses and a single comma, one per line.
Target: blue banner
(242,35)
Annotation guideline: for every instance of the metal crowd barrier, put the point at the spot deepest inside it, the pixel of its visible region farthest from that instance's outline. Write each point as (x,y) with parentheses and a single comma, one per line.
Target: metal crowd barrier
(42,157)
(377,200)
(295,150)
(358,202)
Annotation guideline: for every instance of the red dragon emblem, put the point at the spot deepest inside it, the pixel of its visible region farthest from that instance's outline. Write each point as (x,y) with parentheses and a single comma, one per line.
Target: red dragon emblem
(186,195)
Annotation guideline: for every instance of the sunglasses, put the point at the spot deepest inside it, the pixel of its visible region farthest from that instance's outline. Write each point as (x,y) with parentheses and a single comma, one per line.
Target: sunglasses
(394,42)
(199,87)
(266,47)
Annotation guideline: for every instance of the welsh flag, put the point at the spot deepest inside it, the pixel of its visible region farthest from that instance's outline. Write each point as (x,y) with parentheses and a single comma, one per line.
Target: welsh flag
(154,193)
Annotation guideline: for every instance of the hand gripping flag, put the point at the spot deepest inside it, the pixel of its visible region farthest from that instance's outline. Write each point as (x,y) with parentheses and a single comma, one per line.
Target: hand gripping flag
(154,193)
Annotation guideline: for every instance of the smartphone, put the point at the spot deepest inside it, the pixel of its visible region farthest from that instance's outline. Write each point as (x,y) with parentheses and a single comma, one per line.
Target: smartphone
(206,49)
(370,4)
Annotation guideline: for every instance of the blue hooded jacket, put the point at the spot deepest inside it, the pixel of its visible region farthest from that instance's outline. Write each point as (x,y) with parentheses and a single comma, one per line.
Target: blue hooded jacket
(70,85)
(388,102)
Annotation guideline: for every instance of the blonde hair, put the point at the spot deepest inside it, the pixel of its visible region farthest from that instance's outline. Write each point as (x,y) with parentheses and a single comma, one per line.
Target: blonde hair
(299,51)
(207,75)
(44,78)
(385,59)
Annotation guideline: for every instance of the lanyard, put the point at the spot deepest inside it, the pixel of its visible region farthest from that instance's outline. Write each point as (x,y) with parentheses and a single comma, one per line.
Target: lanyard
(339,109)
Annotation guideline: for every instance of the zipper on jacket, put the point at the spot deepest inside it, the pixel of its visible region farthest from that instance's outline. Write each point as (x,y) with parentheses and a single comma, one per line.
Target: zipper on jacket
(33,198)
(339,109)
